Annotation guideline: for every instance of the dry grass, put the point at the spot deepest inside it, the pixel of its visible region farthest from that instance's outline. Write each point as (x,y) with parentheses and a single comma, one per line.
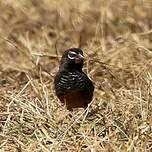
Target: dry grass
(117,39)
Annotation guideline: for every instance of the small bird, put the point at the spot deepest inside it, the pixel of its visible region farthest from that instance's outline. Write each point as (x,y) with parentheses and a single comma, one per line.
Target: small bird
(72,85)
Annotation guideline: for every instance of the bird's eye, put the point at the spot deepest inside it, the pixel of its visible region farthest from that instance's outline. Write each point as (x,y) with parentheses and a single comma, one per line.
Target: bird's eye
(71,55)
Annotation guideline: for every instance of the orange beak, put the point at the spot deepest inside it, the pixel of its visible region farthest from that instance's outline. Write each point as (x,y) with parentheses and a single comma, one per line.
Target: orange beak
(79,58)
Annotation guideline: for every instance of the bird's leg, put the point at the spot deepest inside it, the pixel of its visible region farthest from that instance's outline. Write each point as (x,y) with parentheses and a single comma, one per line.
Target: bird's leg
(69,113)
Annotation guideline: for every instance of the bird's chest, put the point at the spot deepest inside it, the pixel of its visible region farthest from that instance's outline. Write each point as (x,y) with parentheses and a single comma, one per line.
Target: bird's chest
(72,80)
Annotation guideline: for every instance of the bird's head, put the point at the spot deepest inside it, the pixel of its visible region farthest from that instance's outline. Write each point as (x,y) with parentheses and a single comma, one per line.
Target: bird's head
(72,59)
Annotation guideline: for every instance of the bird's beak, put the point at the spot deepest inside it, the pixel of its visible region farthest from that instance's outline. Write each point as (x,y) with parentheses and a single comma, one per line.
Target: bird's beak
(79,58)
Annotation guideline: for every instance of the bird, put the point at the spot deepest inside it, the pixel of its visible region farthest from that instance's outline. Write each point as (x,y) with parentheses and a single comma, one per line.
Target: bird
(72,86)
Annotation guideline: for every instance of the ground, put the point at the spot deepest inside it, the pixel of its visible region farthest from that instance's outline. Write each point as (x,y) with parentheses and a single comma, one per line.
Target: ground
(116,37)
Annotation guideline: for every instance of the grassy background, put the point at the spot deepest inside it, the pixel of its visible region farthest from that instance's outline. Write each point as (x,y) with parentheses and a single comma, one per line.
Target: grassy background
(116,37)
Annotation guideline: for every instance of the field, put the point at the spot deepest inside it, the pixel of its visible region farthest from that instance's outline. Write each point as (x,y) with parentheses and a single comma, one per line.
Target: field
(116,37)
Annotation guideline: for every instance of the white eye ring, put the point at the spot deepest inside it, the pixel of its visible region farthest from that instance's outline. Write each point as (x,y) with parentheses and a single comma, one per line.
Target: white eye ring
(72,53)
